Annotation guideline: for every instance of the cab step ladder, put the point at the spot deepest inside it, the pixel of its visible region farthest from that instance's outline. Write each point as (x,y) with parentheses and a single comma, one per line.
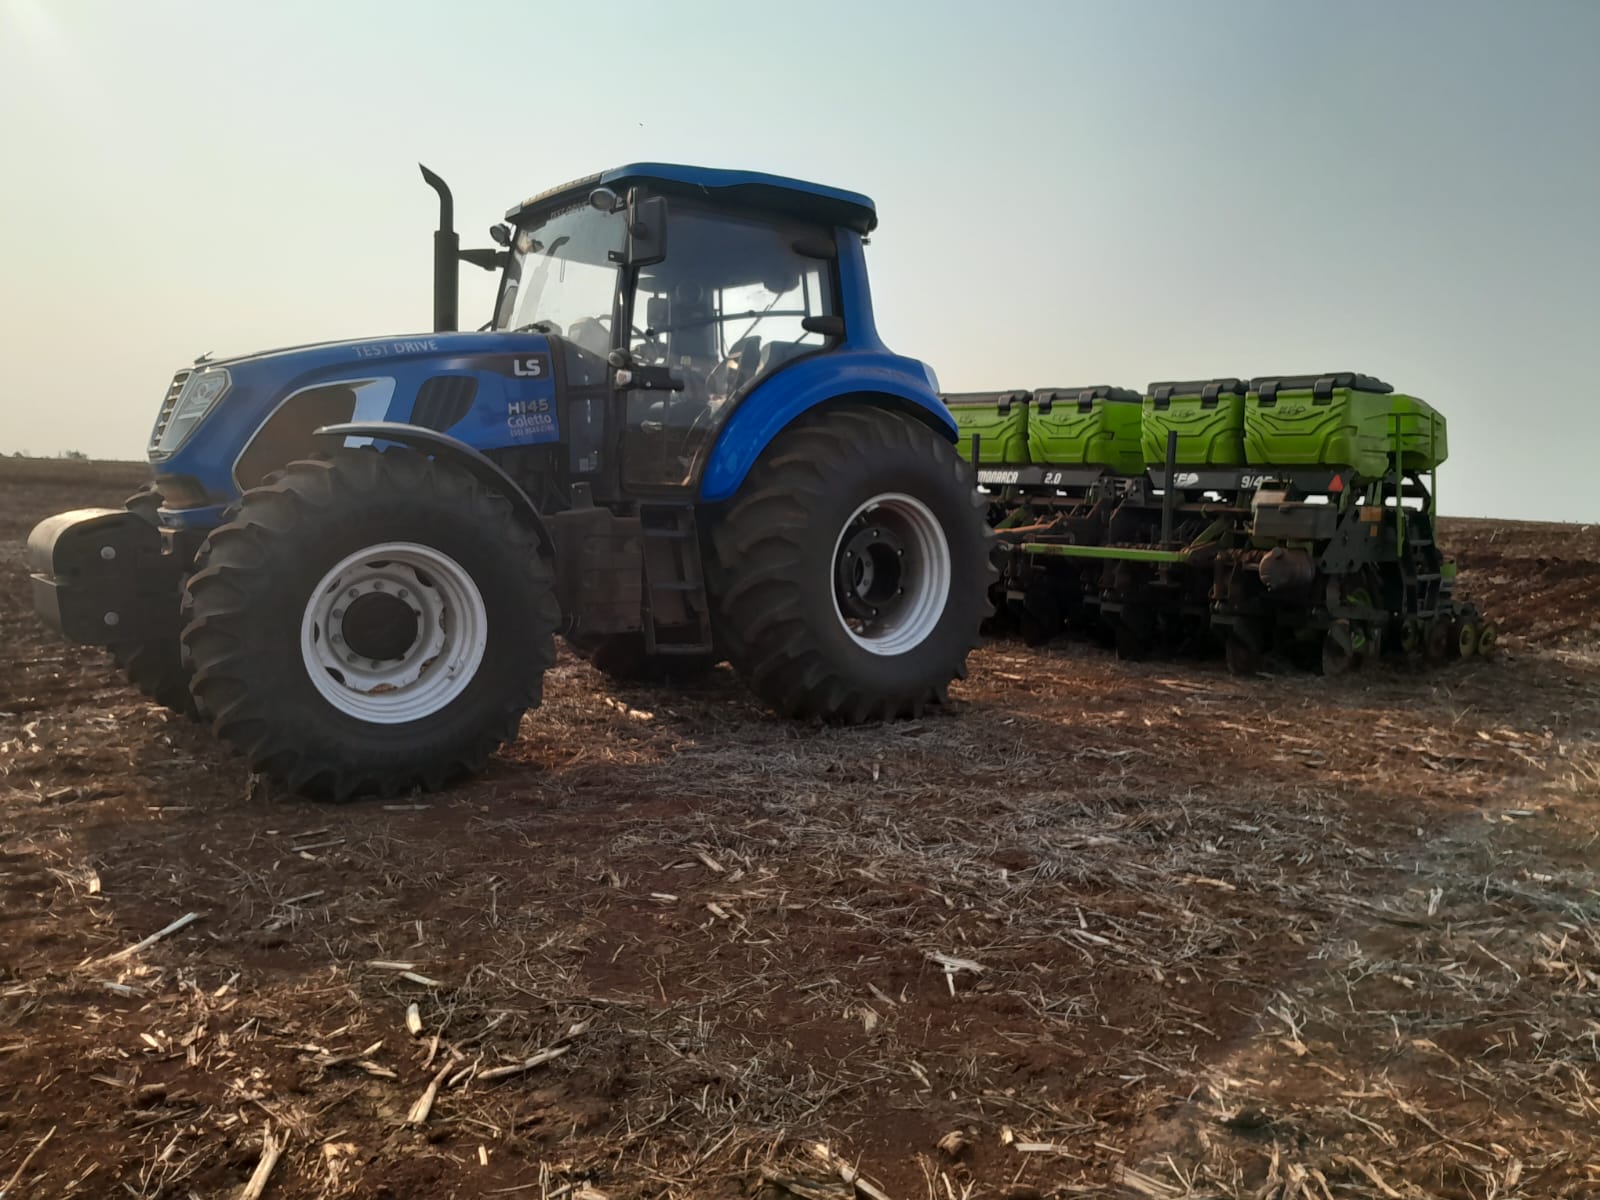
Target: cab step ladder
(677,618)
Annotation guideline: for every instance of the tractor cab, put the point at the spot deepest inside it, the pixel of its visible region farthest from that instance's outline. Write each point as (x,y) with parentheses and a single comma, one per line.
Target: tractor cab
(684,289)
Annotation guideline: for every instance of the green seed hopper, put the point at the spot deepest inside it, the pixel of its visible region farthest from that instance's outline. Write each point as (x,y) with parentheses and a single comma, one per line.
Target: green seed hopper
(1086,426)
(1206,414)
(1342,419)
(998,421)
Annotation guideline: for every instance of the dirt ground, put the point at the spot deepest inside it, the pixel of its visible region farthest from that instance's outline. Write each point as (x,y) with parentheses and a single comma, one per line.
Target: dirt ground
(1102,929)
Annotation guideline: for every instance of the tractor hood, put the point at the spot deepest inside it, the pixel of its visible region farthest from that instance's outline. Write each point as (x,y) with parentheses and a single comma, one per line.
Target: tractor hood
(226,422)
(405,344)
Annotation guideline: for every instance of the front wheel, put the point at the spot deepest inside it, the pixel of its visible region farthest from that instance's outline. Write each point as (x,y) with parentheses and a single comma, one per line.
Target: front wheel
(851,573)
(156,668)
(370,622)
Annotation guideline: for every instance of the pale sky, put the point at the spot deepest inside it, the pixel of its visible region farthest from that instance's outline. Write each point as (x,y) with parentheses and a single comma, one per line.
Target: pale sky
(1069,193)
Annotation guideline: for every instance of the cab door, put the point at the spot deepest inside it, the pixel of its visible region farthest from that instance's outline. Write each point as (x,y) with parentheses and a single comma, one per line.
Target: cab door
(653,376)
(739,295)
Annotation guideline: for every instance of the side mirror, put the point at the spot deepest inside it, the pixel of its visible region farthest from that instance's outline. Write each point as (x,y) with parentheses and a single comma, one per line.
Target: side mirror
(832,326)
(489,260)
(658,312)
(647,231)
(500,234)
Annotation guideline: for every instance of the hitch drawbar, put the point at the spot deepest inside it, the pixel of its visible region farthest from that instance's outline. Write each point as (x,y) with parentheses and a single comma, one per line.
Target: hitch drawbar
(100,577)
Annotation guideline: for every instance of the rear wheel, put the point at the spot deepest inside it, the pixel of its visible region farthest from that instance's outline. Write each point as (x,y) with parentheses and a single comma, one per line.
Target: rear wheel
(1040,614)
(851,573)
(1242,658)
(1411,639)
(155,666)
(1133,640)
(1001,621)
(1242,647)
(1488,637)
(1341,651)
(1436,643)
(371,622)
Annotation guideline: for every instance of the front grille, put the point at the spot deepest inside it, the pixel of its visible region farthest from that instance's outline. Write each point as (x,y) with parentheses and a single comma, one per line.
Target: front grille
(167,405)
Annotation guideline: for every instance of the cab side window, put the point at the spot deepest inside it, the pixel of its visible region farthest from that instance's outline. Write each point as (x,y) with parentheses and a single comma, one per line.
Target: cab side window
(724,310)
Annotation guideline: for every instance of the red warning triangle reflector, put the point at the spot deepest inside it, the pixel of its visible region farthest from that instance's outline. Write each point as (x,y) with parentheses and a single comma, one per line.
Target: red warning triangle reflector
(1337,485)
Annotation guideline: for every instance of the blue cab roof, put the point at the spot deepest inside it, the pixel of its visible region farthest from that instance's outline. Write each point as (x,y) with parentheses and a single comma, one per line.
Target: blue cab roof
(796,197)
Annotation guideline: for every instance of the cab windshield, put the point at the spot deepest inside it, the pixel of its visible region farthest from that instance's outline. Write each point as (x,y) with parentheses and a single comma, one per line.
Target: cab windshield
(562,276)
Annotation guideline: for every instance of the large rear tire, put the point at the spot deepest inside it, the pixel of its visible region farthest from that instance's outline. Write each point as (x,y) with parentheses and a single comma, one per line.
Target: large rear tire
(851,573)
(369,623)
(155,666)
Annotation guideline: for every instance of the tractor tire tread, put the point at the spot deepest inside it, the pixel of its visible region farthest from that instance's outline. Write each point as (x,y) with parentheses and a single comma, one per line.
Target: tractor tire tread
(237,688)
(760,547)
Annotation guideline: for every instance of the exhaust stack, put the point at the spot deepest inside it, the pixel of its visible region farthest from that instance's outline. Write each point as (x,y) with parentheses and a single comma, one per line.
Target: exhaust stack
(446,252)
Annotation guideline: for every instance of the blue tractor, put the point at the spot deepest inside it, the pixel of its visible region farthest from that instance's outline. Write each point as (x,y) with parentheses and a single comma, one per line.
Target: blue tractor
(677,440)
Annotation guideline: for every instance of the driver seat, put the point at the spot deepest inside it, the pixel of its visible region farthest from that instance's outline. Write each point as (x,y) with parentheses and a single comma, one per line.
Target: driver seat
(748,352)
(590,333)
(773,355)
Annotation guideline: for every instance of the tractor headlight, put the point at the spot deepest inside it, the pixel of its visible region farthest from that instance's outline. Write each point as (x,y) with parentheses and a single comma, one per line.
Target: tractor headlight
(200,393)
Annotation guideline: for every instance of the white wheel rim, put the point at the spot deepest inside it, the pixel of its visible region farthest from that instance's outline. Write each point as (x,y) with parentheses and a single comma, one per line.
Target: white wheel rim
(448,622)
(890,587)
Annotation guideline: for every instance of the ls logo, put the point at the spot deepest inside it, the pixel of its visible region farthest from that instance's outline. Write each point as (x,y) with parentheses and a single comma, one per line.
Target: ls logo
(535,366)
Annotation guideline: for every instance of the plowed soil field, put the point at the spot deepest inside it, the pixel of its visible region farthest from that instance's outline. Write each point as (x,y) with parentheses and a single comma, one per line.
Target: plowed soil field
(1099,929)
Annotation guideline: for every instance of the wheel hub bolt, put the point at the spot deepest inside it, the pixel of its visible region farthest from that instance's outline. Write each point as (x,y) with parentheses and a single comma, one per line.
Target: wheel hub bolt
(338,614)
(354,592)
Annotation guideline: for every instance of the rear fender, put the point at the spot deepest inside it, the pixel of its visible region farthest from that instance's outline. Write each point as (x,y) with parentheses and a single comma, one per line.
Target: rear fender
(872,377)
